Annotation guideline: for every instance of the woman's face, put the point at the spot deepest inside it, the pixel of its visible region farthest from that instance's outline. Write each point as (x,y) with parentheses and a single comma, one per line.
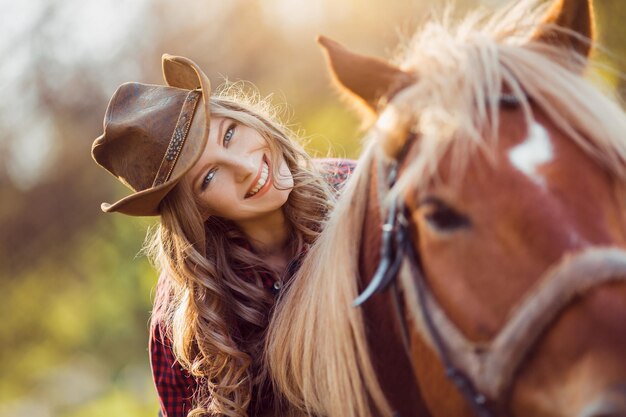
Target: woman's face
(233,178)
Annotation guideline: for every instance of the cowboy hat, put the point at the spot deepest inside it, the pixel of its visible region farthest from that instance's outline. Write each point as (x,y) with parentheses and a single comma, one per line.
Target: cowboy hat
(153,134)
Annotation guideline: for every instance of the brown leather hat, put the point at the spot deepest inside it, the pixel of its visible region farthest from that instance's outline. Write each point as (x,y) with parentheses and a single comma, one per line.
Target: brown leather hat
(153,134)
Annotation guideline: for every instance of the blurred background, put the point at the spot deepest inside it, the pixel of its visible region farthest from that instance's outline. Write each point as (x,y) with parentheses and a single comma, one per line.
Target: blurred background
(76,293)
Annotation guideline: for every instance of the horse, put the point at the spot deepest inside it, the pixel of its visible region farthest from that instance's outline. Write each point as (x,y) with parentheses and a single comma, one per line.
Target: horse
(484,228)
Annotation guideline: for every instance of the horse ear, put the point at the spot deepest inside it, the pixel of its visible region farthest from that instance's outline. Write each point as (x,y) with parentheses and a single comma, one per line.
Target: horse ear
(366,78)
(576,17)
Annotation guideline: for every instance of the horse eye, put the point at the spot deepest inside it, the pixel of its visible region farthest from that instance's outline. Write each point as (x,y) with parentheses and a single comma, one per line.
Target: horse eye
(443,217)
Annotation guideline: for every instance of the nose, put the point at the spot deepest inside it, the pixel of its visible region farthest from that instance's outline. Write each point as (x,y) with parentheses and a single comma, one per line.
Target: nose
(243,167)
(611,403)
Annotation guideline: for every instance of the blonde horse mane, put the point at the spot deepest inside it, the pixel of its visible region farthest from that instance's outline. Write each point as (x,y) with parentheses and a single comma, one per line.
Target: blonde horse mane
(316,350)
(313,368)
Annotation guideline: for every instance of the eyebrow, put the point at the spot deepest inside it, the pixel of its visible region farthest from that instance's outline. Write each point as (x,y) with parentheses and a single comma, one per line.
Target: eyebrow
(219,141)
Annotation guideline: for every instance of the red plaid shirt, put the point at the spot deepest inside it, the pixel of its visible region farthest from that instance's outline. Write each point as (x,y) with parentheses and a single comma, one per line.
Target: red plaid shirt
(174,385)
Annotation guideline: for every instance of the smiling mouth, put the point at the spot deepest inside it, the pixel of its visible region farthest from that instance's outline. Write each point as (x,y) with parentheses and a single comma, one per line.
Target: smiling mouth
(262,179)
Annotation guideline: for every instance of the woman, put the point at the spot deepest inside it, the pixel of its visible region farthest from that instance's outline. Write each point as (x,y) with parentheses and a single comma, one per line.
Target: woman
(239,202)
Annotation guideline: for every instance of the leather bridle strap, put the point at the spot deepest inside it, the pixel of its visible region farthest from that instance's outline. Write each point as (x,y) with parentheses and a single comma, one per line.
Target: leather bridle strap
(389,261)
(396,248)
(436,340)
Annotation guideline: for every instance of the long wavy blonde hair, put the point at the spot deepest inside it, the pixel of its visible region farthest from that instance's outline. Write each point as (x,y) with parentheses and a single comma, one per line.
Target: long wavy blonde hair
(214,319)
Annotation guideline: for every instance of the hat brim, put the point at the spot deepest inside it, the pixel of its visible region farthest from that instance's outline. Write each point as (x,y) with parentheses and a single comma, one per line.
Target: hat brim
(183,73)
(142,203)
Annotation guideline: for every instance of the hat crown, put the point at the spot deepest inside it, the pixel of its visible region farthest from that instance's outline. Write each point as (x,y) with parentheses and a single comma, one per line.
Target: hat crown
(138,126)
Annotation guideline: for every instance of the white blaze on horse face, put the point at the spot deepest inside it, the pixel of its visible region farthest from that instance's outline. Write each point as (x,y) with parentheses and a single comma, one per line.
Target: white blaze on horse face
(535,151)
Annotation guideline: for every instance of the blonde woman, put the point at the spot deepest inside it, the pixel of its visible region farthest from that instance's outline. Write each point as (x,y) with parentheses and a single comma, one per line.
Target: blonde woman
(239,203)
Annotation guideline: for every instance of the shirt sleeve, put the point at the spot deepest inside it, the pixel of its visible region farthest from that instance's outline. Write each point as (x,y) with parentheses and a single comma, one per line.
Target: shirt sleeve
(336,171)
(174,385)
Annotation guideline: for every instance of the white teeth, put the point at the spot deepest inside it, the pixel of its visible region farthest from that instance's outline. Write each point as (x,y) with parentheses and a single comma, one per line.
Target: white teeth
(264,174)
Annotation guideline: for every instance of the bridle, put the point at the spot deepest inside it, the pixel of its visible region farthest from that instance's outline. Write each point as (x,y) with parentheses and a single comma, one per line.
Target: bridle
(482,372)
(395,247)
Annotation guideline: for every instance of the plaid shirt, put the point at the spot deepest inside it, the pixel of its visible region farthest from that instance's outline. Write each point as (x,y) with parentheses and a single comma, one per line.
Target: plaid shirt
(173,383)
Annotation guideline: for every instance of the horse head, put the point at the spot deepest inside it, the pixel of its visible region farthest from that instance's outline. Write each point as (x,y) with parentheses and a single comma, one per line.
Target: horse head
(499,174)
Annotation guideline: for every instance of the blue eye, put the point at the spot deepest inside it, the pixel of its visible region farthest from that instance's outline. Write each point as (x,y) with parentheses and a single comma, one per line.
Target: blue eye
(207,180)
(228,135)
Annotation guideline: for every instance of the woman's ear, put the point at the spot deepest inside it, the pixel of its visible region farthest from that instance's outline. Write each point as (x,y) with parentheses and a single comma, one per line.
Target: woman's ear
(575,20)
(366,79)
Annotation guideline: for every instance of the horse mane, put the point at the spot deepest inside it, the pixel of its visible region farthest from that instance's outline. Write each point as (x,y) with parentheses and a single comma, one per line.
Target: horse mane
(316,346)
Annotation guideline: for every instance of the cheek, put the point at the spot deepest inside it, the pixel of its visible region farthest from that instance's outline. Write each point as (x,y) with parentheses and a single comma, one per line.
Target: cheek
(472,276)
(283,197)
(285,180)
(483,254)
(219,201)
(442,255)
(250,141)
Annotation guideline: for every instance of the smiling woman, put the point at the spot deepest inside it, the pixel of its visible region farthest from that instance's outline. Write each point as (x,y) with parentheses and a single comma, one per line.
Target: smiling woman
(231,177)
(239,204)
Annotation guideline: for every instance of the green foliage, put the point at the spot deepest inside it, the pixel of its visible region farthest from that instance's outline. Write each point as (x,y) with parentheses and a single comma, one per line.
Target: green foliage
(115,402)
(340,138)
(92,303)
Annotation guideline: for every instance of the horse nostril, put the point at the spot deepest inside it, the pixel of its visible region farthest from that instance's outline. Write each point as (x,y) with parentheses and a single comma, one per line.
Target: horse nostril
(611,403)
